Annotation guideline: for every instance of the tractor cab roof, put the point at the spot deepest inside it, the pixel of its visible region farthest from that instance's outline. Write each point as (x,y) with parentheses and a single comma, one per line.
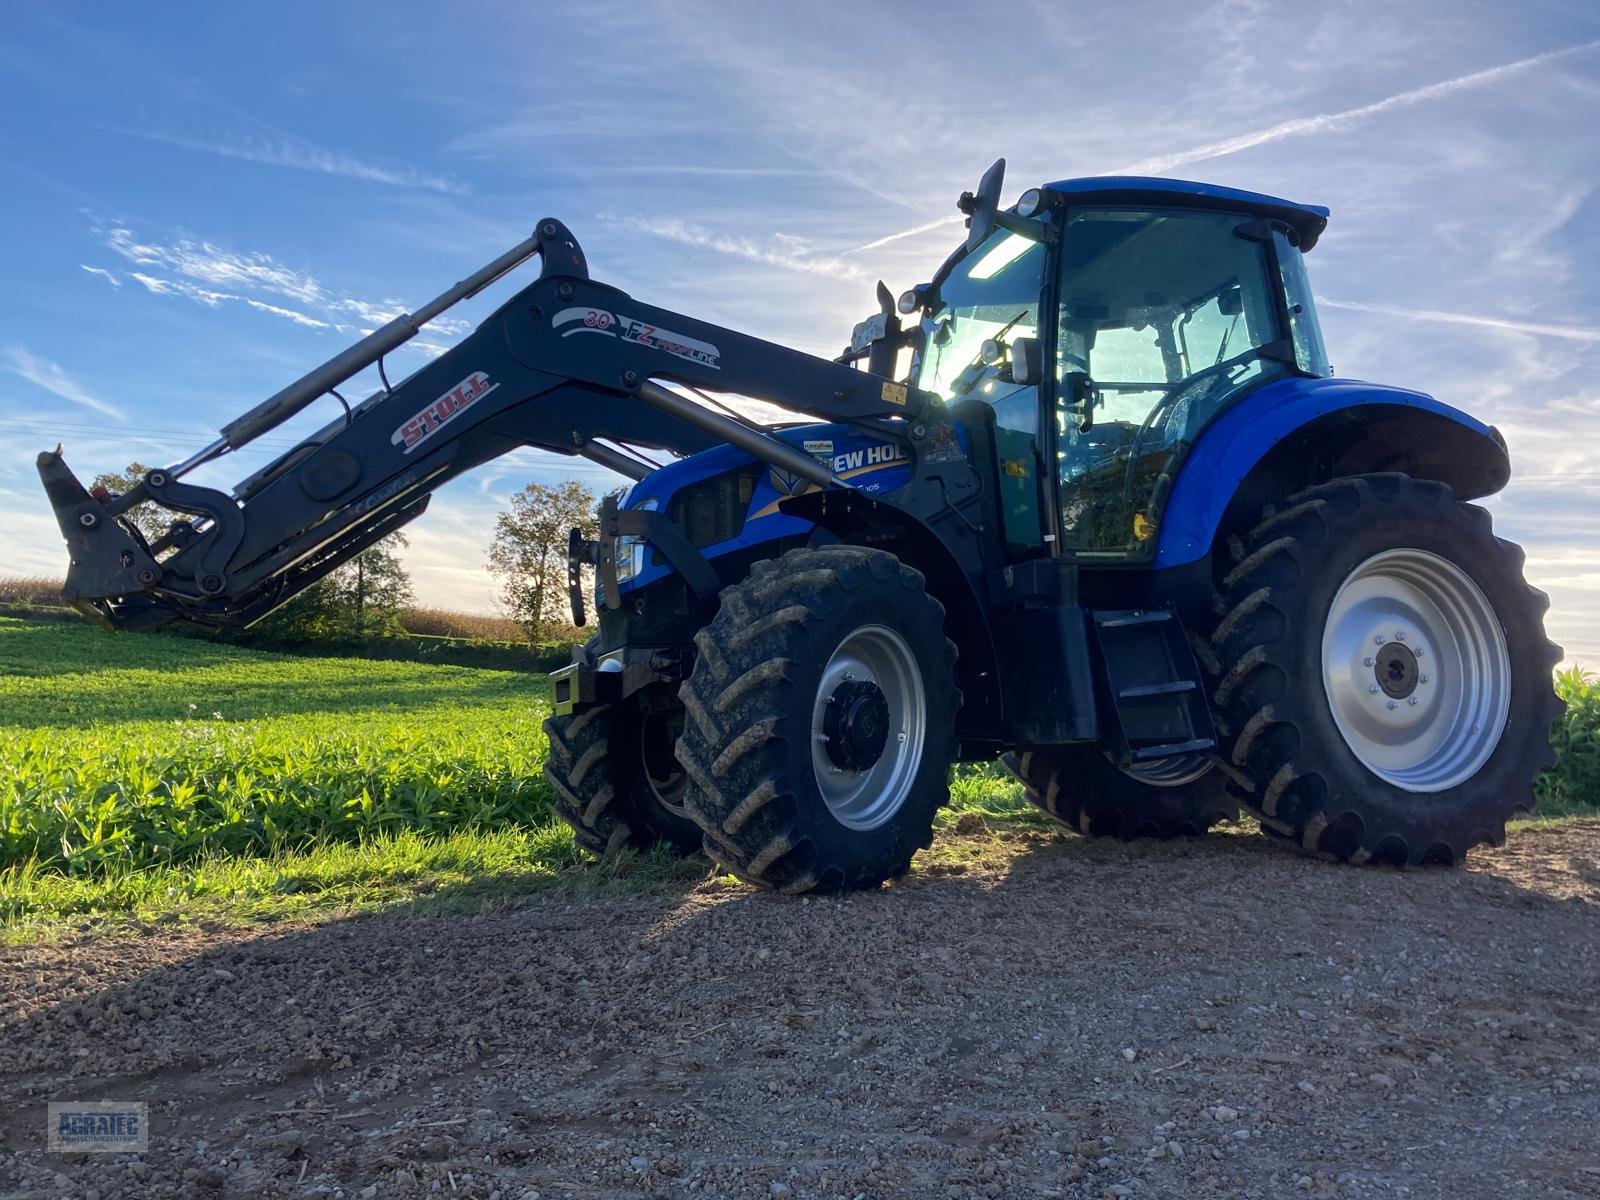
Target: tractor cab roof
(1307,220)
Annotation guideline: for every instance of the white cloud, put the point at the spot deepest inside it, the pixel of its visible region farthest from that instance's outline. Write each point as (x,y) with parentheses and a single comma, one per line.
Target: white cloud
(1319,123)
(286,150)
(45,374)
(1332,121)
(103,273)
(197,270)
(783,250)
(1576,333)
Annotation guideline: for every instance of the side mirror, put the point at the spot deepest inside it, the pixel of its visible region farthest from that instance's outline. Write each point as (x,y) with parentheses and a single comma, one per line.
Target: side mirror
(1025,360)
(982,206)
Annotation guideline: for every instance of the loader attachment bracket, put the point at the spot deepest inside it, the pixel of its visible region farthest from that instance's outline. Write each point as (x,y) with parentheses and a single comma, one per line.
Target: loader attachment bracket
(105,559)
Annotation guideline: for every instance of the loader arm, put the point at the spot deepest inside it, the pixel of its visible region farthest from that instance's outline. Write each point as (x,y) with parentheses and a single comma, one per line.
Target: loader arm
(567,365)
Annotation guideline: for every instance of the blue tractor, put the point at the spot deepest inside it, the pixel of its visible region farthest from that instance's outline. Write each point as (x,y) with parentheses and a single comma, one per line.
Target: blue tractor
(1098,507)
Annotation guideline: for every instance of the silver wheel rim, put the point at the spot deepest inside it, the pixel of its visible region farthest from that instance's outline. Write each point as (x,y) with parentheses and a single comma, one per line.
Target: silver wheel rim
(1174,771)
(867,798)
(1416,670)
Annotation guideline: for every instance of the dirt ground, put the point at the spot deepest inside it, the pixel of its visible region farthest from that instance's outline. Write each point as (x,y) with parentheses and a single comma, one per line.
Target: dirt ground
(1062,1018)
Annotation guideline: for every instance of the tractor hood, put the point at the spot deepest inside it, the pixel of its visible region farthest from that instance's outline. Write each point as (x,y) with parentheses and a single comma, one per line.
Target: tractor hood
(726,500)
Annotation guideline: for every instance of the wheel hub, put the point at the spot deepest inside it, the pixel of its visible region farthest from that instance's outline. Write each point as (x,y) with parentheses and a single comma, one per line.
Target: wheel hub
(856,725)
(1395,669)
(868,723)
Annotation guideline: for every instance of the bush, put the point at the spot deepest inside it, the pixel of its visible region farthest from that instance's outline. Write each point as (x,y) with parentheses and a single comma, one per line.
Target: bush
(1575,779)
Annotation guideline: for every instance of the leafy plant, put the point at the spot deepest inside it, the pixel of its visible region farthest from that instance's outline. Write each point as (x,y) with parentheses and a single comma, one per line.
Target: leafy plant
(1575,779)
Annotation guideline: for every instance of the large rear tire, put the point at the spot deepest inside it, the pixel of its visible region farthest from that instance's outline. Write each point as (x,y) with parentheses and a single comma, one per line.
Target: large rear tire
(615,779)
(1086,792)
(1385,686)
(820,721)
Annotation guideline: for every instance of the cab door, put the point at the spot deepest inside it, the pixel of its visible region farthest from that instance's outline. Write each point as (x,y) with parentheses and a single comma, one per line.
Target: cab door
(1163,318)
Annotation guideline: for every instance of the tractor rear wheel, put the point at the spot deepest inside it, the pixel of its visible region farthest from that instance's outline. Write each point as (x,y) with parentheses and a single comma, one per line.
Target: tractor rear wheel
(820,721)
(1385,686)
(615,779)
(1089,794)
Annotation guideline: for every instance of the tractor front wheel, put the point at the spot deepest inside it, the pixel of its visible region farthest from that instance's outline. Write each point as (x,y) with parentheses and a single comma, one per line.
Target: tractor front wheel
(615,778)
(820,721)
(1385,686)
(1083,790)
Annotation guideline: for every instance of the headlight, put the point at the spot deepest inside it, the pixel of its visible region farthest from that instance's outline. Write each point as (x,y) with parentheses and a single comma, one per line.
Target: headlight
(630,546)
(1030,202)
(630,557)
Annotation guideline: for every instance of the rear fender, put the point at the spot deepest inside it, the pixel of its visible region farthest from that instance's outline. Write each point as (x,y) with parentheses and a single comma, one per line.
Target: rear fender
(1295,432)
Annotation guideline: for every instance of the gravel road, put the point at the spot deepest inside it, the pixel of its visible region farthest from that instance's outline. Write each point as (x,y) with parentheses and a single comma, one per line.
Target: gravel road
(1060,1018)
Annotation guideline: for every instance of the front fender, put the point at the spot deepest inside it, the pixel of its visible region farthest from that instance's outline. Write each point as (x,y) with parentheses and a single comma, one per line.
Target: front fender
(1361,426)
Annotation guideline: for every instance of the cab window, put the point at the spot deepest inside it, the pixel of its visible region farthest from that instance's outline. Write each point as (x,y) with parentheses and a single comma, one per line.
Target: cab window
(1163,318)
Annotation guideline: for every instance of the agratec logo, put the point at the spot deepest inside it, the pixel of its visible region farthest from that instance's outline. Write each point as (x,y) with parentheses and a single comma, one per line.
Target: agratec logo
(442,411)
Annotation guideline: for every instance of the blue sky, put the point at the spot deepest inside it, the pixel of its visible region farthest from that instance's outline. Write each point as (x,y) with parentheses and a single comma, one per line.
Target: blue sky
(202,201)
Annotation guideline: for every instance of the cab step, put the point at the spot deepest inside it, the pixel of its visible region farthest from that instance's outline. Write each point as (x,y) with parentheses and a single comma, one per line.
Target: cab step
(1152,691)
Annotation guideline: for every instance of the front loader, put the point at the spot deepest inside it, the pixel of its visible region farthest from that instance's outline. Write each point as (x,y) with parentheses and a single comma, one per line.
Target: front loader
(1116,522)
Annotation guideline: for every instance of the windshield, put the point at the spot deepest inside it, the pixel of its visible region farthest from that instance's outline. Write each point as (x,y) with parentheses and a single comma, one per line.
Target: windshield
(993,293)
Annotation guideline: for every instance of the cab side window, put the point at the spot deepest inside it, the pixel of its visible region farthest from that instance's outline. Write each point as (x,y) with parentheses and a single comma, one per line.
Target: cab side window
(1163,315)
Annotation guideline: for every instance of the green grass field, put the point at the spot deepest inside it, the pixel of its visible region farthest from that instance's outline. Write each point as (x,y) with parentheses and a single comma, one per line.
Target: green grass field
(153,779)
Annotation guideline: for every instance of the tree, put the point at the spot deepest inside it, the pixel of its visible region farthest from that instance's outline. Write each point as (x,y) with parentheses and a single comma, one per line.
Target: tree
(362,599)
(529,553)
(149,519)
(371,589)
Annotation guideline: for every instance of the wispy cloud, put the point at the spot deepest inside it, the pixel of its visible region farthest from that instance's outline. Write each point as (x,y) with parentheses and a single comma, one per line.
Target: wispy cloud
(103,273)
(1334,121)
(41,372)
(1576,333)
(211,275)
(298,154)
(1329,122)
(782,250)
(941,223)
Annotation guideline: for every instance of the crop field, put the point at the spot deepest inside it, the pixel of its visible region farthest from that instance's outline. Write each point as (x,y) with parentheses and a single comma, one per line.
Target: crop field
(134,751)
(143,773)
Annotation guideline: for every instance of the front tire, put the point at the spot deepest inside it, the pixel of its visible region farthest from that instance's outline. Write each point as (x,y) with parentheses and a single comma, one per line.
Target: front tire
(1084,791)
(1385,686)
(613,773)
(820,721)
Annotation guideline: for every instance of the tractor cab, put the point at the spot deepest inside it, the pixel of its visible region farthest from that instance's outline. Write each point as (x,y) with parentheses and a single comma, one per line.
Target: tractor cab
(1104,323)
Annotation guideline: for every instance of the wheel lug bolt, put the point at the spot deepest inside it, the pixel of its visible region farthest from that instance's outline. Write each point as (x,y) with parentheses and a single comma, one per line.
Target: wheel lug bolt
(1377,640)
(1368,661)
(901,736)
(1422,679)
(1400,636)
(1393,704)
(1373,688)
(1413,702)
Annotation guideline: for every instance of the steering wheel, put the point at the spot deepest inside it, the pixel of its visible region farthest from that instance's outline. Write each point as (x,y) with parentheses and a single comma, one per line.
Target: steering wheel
(1170,399)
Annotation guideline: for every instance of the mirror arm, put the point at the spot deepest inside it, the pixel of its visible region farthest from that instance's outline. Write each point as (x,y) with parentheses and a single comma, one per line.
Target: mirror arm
(1035,229)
